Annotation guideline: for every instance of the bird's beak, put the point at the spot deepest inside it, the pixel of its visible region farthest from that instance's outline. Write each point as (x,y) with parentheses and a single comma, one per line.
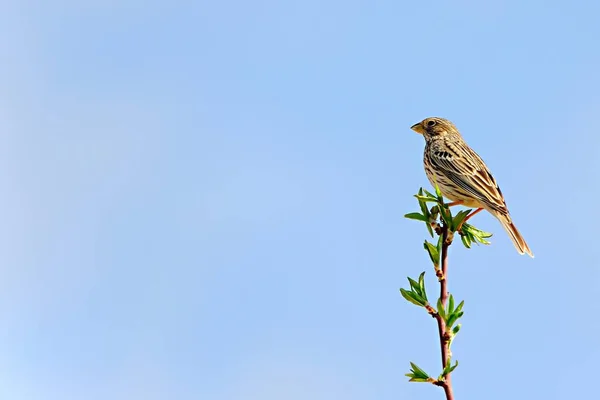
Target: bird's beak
(418,128)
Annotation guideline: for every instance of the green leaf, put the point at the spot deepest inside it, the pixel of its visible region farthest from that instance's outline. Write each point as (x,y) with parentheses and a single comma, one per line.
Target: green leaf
(450,304)
(460,306)
(478,232)
(466,241)
(453,367)
(454,314)
(418,379)
(426,199)
(418,372)
(428,193)
(449,368)
(441,310)
(474,234)
(414,285)
(456,329)
(460,217)
(413,297)
(433,253)
(479,239)
(438,191)
(451,320)
(482,241)
(422,204)
(417,216)
(430,229)
(422,285)
(438,247)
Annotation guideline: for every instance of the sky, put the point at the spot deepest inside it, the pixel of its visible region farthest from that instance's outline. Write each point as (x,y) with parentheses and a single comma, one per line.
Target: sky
(205,200)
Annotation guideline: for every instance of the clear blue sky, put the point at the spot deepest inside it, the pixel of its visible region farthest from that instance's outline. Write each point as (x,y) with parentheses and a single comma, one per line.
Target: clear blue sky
(204,200)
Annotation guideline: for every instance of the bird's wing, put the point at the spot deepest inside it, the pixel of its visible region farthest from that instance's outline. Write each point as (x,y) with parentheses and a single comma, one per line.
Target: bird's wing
(466,169)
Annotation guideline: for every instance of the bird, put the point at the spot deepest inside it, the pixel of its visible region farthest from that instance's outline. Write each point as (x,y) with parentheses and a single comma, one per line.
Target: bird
(462,176)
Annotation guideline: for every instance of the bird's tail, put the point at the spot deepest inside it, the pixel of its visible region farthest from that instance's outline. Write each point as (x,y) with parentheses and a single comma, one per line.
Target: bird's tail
(514,235)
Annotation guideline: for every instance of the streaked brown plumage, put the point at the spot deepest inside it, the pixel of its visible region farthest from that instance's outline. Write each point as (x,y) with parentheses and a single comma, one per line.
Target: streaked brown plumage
(462,176)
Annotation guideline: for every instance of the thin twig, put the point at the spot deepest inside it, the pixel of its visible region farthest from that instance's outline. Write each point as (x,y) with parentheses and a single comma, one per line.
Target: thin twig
(446,383)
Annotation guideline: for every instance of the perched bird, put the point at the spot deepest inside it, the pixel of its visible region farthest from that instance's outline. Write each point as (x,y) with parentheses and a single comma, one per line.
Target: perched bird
(462,176)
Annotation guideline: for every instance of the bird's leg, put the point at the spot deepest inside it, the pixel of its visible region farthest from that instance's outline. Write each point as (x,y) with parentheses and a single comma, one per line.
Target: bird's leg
(455,203)
(468,217)
(473,213)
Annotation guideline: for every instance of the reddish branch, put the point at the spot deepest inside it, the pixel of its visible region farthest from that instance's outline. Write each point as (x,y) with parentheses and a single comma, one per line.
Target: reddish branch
(446,383)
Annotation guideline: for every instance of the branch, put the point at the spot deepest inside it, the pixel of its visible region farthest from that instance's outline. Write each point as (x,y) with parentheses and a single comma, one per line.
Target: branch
(445,337)
(439,219)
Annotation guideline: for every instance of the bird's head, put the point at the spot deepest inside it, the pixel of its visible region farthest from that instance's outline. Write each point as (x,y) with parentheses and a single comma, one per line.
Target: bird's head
(433,127)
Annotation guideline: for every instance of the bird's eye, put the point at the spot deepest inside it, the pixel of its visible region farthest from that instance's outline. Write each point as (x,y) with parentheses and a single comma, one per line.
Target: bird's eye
(430,123)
